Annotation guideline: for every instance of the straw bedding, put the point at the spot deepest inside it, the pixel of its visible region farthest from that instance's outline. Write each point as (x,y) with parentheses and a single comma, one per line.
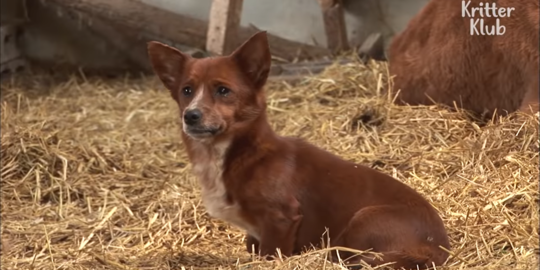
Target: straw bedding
(94,175)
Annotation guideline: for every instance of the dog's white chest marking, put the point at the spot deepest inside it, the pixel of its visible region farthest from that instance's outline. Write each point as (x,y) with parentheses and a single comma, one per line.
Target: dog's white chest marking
(208,167)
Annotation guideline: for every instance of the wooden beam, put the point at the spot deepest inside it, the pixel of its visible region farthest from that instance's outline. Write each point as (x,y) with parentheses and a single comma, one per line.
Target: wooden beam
(179,28)
(293,73)
(334,25)
(223,25)
(304,68)
(137,55)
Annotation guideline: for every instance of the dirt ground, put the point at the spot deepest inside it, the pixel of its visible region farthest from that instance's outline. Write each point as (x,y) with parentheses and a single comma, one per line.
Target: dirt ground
(94,175)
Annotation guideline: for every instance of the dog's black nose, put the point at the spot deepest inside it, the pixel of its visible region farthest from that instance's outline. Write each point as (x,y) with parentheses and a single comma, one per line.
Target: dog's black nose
(192,117)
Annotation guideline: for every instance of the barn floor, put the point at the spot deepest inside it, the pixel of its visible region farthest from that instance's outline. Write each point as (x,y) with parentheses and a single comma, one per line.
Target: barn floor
(94,175)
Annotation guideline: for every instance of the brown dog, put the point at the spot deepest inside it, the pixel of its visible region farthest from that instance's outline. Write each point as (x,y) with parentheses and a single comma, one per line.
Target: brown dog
(283,191)
(494,68)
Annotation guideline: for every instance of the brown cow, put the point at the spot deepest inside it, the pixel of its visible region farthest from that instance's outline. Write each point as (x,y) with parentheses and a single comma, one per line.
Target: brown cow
(481,55)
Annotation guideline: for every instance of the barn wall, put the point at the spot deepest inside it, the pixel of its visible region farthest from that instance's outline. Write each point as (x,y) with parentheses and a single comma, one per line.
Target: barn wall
(301,20)
(54,37)
(61,38)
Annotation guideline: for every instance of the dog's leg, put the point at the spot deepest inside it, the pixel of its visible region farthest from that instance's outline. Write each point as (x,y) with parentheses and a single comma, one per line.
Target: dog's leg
(279,232)
(401,234)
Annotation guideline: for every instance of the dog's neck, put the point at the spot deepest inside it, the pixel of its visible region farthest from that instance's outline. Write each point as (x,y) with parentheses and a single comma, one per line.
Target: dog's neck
(210,161)
(208,156)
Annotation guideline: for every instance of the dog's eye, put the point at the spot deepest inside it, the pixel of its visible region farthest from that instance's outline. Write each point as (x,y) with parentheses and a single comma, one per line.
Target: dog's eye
(186,91)
(223,91)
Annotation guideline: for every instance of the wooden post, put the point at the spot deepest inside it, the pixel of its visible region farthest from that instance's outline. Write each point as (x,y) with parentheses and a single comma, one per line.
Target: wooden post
(223,25)
(11,59)
(372,48)
(334,25)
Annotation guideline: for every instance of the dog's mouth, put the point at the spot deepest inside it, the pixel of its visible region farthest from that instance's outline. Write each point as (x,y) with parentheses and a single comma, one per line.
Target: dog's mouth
(202,132)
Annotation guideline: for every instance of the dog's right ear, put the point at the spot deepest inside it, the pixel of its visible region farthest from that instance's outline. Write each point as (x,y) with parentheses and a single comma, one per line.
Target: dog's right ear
(168,63)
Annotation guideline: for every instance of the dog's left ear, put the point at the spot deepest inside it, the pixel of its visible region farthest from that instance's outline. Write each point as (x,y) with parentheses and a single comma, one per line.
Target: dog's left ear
(254,59)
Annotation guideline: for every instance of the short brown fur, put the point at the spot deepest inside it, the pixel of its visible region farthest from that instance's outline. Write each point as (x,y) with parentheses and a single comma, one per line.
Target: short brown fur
(284,191)
(436,56)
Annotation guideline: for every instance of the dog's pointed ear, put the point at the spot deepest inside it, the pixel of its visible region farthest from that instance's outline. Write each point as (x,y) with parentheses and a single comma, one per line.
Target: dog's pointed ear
(168,63)
(254,59)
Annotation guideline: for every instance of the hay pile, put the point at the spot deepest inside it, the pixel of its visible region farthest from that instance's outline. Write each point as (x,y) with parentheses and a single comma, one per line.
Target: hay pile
(94,175)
